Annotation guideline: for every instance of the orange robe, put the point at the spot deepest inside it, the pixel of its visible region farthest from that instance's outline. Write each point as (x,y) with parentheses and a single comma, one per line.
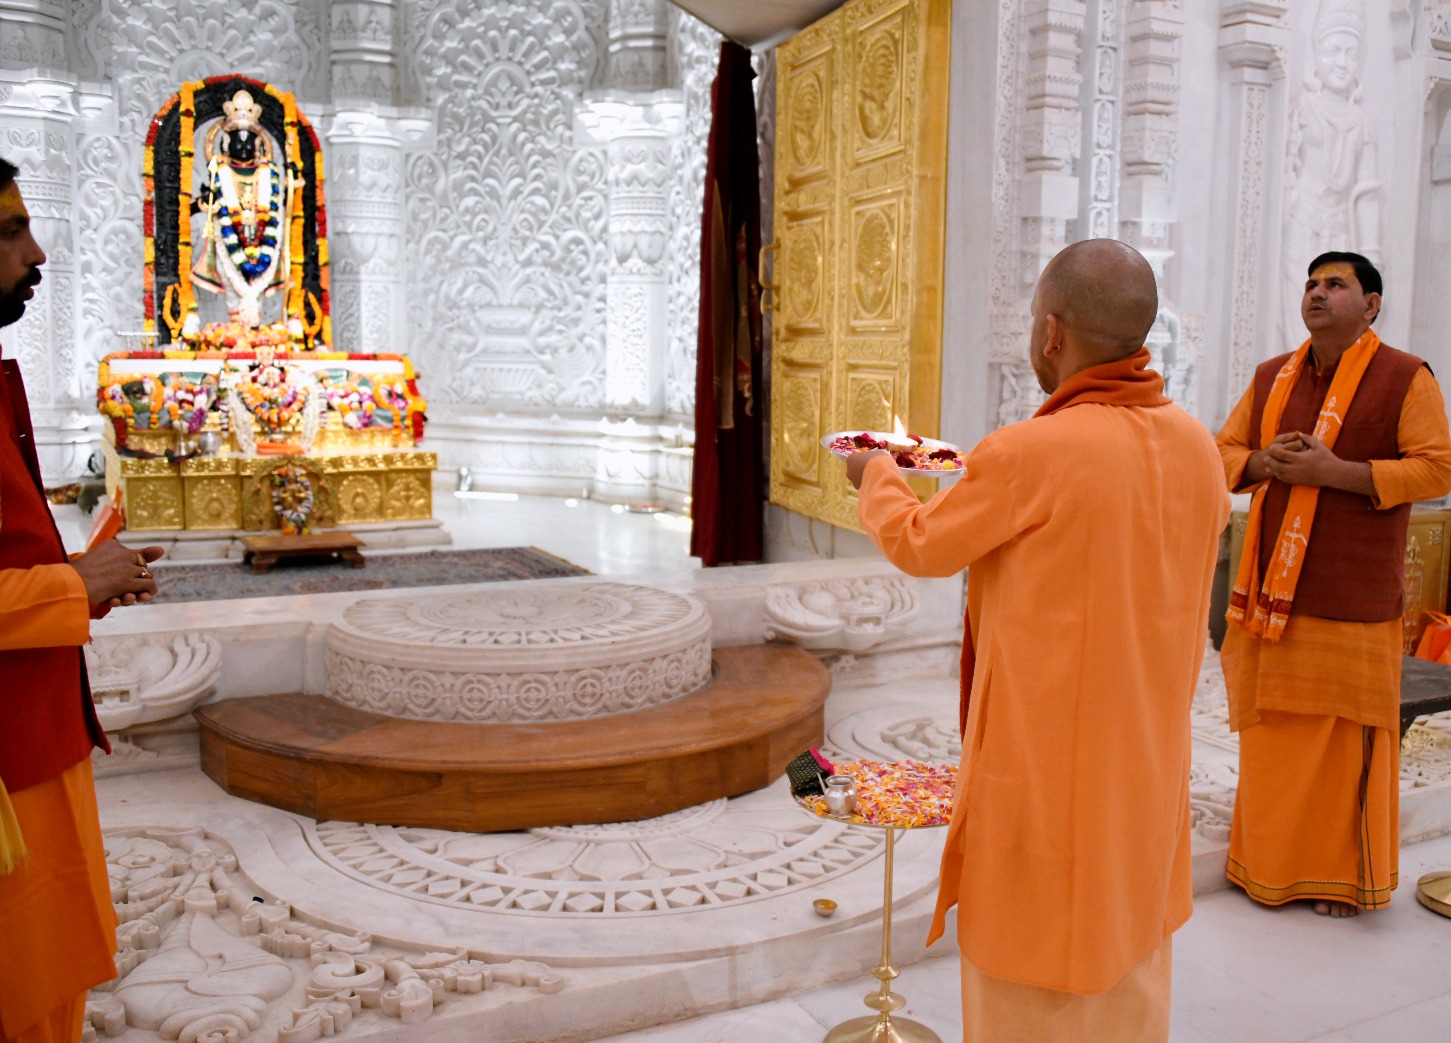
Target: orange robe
(1090,538)
(1318,711)
(56,917)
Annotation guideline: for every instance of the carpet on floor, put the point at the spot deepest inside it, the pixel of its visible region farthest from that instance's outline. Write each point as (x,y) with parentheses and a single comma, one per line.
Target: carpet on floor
(435,568)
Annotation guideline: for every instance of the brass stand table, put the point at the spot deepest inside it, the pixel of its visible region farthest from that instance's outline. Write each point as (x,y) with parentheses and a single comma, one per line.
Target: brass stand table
(881,1027)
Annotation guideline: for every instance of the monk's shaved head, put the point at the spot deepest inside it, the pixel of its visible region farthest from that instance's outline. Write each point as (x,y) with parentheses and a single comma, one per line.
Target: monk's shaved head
(1104,292)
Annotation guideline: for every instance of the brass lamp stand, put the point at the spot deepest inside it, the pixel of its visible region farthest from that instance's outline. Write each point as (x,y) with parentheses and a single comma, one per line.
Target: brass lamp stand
(882,1027)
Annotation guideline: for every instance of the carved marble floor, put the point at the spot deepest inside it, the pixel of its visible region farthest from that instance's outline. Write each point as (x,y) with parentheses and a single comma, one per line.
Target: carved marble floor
(572,933)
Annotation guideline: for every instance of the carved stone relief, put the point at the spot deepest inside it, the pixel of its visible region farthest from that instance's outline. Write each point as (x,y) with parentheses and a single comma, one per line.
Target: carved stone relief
(841,615)
(1333,192)
(202,957)
(137,679)
(529,654)
(518,210)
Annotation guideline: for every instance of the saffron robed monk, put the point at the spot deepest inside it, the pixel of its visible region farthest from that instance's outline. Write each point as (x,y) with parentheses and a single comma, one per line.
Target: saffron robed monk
(57,925)
(1337,439)
(1090,534)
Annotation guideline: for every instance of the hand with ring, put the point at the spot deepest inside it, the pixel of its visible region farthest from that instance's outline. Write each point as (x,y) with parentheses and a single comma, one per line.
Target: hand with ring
(116,575)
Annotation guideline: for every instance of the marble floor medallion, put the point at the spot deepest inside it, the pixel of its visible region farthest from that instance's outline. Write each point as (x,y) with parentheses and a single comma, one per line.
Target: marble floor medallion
(703,858)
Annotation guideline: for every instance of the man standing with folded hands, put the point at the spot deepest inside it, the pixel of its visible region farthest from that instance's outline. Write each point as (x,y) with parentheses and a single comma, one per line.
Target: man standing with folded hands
(1337,439)
(57,925)
(1090,534)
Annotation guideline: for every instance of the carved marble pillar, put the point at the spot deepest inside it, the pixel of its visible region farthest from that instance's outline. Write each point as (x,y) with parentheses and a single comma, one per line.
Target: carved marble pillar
(636,118)
(365,229)
(367,136)
(33,34)
(364,64)
(1251,32)
(40,111)
(1051,131)
(1150,134)
(1098,209)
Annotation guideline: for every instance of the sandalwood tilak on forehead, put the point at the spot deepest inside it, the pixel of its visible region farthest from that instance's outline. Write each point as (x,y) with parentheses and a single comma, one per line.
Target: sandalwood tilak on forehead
(11,200)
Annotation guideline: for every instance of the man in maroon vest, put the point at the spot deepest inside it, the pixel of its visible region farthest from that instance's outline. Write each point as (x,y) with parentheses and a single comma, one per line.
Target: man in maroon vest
(57,924)
(1337,440)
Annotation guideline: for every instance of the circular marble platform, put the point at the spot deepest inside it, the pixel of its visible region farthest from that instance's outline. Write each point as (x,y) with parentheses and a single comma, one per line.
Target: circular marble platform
(536,653)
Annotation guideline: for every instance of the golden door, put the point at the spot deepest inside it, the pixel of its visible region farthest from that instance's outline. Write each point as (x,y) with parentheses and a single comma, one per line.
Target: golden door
(861,161)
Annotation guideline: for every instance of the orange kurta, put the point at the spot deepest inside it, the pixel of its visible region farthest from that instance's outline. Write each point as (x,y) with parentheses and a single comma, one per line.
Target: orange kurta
(1091,535)
(56,918)
(1318,711)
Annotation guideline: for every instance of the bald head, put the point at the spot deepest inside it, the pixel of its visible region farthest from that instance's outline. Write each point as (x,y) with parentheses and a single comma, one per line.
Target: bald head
(1104,294)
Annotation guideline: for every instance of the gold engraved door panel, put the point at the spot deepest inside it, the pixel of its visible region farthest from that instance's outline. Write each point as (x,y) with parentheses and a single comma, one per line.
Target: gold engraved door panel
(861,156)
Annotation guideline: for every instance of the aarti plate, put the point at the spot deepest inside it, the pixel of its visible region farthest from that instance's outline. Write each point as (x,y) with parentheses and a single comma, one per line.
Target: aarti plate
(887,436)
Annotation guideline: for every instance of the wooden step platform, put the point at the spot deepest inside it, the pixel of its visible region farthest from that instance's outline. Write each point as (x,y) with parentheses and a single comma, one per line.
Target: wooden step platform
(310,755)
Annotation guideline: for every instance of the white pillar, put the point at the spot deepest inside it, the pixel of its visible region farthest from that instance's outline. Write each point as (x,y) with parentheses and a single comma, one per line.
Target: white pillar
(38,111)
(1250,33)
(636,118)
(365,140)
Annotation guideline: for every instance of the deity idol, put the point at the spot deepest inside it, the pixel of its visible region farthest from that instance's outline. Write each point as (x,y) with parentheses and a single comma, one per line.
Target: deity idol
(1332,184)
(246,200)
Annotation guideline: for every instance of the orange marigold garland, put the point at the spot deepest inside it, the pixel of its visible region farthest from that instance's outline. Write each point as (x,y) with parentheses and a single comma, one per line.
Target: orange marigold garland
(185,151)
(294,231)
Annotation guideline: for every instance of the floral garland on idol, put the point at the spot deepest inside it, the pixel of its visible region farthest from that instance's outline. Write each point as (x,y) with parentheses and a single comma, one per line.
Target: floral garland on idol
(292,499)
(178,305)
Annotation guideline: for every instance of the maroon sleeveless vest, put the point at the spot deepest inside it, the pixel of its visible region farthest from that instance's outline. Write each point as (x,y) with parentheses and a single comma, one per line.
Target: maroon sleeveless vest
(49,721)
(1355,564)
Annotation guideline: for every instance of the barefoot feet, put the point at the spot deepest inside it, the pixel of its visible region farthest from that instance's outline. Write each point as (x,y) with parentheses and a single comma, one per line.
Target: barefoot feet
(1336,910)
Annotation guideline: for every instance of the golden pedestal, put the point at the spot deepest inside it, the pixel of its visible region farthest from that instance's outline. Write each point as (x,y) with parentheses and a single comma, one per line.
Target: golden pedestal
(231,491)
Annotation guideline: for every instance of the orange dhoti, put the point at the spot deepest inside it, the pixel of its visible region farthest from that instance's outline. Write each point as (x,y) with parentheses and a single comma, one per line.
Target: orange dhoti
(1135,1010)
(1317,813)
(56,917)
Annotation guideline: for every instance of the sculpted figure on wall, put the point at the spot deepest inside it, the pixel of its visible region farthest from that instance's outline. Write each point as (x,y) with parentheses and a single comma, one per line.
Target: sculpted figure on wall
(1332,181)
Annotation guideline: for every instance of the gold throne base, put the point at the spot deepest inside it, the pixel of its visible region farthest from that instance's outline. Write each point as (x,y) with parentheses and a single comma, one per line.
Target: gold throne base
(231,492)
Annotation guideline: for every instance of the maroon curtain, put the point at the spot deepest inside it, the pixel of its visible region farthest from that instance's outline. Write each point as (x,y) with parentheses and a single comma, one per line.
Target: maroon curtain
(726,488)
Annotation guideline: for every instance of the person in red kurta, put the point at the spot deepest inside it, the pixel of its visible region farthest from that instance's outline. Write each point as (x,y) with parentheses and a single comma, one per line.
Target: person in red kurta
(57,924)
(1089,533)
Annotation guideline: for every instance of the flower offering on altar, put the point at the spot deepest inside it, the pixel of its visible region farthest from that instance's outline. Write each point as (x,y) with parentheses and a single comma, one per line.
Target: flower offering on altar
(234,336)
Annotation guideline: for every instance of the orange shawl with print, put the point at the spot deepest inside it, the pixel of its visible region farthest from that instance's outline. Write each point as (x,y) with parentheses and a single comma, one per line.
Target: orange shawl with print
(1269,612)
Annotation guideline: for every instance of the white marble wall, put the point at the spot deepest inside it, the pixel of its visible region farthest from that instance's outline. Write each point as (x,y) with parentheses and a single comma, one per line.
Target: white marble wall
(498,174)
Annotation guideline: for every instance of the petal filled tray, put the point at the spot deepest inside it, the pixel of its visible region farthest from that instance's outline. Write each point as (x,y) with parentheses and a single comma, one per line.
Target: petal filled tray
(904,794)
(928,457)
